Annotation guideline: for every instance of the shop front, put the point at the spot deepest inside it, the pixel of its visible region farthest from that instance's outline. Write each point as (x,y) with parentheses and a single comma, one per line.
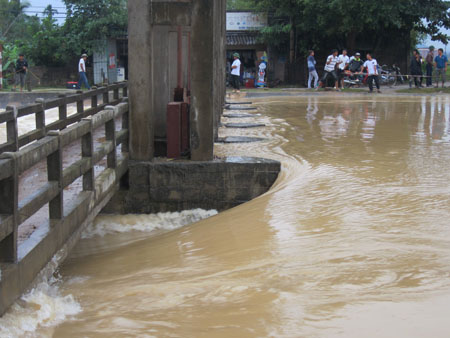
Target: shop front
(242,38)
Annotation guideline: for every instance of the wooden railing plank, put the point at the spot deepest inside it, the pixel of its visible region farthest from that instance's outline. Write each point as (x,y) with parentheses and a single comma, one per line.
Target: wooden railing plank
(35,153)
(76,170)
(49,145)
(121,136)
(35,201)
(6,226)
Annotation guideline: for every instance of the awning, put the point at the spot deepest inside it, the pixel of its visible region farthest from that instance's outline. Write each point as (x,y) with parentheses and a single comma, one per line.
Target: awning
(242,39)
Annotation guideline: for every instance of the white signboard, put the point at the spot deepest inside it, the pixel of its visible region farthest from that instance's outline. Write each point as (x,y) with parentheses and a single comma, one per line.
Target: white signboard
(245,21)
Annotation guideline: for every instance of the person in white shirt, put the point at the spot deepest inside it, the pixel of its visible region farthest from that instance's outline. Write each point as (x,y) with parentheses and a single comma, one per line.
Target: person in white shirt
(330,70)
(372,70)
(344,61)
(236,73)
(82,72)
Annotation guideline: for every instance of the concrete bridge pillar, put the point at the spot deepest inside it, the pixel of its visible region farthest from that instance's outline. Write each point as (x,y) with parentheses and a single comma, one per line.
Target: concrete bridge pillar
(153,71)
(202,80)
(141,121)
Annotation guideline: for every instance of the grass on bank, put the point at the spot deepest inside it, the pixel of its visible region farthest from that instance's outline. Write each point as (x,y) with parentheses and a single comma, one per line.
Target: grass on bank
(433,90)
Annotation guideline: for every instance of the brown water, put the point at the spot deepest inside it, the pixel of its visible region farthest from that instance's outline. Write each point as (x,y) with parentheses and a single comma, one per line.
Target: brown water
(352,241)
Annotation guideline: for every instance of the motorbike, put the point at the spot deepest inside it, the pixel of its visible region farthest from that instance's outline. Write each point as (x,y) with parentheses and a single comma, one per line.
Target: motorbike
(387,77)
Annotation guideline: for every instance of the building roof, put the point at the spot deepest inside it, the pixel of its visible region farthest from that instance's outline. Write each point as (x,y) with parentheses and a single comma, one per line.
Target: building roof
(242,39)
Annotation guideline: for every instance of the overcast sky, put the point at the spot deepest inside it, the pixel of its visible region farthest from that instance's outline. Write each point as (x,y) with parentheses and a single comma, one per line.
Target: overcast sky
(38,6)
(44,3)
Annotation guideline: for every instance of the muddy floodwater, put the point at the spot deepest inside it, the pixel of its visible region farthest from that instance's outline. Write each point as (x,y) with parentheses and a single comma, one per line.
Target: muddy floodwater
(352,241)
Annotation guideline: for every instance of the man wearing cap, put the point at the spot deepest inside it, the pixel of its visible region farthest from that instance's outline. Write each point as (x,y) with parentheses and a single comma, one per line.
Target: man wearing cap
(236,72)
(429,66)
(82,72)
(355,63)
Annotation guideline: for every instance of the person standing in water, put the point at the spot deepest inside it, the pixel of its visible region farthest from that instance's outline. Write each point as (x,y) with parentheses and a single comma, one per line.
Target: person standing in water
(236,73)
(312,70)
(372,70)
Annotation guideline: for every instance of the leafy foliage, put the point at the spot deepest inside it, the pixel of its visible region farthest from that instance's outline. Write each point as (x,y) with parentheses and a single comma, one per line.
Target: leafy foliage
(44,42)
(342,23)
(91,20)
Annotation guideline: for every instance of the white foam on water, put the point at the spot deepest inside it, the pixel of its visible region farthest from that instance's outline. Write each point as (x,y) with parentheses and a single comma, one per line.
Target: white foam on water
(44,306)
(111,224)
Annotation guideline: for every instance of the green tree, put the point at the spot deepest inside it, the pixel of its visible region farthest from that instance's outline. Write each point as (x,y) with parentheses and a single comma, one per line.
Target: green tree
(47,46)
(318,23)
(12,19)
(91,20)
(238,5)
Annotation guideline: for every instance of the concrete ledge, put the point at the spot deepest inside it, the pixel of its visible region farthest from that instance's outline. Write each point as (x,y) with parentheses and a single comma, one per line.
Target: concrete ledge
(239,139)
(240,108)
(243,102)
(244,125)
(240,116)
(180,185)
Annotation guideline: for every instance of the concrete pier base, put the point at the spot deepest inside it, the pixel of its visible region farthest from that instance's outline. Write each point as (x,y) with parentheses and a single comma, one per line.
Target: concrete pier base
(181,185)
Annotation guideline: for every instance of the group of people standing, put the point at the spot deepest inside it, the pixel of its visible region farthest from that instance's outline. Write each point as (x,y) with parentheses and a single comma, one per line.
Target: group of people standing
(21,70)
(437,64)
(336,66)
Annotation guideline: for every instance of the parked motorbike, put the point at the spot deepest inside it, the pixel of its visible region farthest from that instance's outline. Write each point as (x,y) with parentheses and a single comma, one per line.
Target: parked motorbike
(387,77)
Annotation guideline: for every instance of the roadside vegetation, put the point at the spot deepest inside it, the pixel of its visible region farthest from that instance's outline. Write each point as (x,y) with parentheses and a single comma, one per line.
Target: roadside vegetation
(46,42)
(322,24)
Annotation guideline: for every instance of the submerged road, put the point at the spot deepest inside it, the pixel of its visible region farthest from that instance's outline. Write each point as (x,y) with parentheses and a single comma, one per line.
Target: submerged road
(352,241)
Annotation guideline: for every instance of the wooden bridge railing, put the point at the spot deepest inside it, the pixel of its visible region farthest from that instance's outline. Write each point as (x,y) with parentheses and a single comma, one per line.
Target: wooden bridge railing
(68,210)
(10,116)
(49,147)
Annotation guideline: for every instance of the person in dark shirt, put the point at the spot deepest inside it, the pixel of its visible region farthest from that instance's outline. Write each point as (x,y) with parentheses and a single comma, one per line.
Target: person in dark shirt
(21,72)
(355,63)
(430,59)
(416,68)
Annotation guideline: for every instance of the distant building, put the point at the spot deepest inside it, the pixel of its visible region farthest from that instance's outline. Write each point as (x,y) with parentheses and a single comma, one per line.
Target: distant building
(110,61)
(243,37)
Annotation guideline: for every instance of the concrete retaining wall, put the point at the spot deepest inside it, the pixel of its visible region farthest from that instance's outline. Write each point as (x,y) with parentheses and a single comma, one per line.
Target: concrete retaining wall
(175,186)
